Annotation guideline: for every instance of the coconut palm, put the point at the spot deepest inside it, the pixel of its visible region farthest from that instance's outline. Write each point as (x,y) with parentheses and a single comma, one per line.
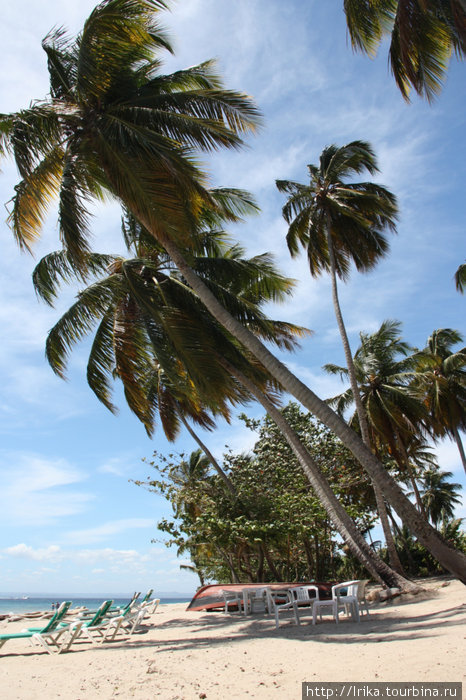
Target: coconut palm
(440,495)
(114,126)
(423,35)
(441,380)
(338,223)
(460,278)
(395,414)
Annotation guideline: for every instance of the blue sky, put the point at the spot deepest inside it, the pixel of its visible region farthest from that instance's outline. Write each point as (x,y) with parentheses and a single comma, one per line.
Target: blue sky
(70,521)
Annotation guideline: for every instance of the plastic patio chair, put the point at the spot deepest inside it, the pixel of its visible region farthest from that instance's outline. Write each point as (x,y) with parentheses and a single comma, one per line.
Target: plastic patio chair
(276,607)
(346,596)
(233,598)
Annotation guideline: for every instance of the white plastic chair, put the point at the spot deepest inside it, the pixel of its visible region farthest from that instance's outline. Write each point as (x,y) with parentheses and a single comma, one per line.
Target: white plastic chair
(276,607)
(346,596)
(305,596)
(234,598)
(257,598)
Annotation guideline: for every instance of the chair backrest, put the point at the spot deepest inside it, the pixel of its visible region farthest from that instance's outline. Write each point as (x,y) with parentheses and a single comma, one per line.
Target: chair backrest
(59,615)
(147,596)
(304,594)
(345,589)
(100,614)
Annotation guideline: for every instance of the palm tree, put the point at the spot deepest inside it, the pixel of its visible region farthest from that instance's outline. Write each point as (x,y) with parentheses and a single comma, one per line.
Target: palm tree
(338,223)
(440,495)
(460,278)
(423,35)
(114,126)
(440,377)
(394,411)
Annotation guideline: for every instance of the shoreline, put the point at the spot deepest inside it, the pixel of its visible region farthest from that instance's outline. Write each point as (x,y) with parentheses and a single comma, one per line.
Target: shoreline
(182,655)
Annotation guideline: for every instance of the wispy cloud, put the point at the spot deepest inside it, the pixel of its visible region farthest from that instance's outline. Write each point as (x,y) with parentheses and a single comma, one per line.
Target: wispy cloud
(36,489)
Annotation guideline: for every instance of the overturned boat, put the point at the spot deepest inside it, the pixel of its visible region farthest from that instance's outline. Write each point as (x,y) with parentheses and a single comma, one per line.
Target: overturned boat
(210,597)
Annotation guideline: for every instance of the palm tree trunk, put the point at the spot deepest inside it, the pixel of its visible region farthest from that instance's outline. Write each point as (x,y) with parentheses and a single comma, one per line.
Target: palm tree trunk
(227,481)
(451,559)
(459,443)
(337,514)
(394,559)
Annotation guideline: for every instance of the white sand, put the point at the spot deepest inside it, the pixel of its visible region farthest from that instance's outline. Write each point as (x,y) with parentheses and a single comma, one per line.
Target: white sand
(179,655)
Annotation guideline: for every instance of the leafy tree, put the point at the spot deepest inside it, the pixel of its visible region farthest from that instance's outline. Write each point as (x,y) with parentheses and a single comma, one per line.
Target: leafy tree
(423,34)
(283,533)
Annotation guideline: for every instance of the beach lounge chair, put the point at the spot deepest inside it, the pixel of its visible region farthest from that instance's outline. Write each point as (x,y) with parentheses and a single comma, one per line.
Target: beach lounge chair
(98,620)
(54,621)
(58,640)
(46,632)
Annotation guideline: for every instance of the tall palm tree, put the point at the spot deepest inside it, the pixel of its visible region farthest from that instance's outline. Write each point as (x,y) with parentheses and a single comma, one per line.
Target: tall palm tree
(440,377)
(338,223)
(395,414)
(423,34)
(440,495)
(114,126)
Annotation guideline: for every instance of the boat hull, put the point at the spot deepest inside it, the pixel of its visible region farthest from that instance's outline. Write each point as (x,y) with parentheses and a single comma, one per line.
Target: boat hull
(210,597)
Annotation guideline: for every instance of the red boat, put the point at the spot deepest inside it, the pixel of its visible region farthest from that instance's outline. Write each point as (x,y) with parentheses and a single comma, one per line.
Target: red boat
(210,597)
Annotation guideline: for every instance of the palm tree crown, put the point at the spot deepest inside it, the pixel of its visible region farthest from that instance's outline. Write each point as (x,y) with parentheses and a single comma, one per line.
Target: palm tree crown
(423,35)
(355,214)
(114,124)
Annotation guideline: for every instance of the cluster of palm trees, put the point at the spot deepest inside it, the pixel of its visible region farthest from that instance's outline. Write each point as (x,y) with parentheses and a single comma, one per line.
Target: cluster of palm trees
(180,322)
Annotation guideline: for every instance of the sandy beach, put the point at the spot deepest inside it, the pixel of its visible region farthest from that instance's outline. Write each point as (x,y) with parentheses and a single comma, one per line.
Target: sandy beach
(179,655)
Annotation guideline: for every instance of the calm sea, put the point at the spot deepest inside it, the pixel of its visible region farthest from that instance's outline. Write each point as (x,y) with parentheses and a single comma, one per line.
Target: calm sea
(23,605)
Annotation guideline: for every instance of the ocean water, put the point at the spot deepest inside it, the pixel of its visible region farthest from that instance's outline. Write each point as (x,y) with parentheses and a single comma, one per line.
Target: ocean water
(22,605)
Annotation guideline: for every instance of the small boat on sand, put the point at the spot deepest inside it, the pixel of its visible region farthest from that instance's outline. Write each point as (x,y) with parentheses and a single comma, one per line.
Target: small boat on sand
(210,597)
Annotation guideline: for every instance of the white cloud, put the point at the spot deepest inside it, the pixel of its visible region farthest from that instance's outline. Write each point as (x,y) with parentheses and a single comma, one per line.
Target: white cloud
(23,551)
(34,489)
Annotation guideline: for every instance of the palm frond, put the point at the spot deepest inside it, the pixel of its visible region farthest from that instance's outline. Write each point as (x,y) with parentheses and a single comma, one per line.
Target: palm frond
(58,267)
(34,194)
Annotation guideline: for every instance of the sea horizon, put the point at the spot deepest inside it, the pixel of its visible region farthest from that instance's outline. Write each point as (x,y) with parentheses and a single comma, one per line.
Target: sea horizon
(17,604)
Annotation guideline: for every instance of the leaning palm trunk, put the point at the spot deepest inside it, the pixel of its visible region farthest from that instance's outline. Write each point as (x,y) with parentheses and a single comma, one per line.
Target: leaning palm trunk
(459,443)
(394,559)
(451,559)
(337,514)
